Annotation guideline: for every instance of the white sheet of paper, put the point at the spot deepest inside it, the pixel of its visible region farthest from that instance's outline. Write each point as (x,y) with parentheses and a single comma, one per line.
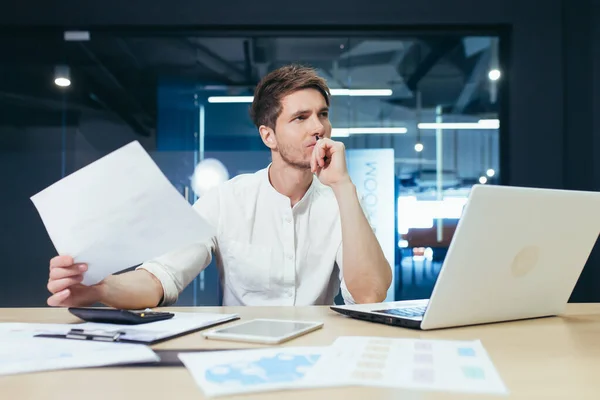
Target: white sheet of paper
(460,366)
(42,354)
(23,330)
(221,373)
(118,212)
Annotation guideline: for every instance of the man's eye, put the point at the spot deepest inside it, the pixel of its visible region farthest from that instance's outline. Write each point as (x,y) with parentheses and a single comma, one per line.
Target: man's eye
(325,114)
(301,118)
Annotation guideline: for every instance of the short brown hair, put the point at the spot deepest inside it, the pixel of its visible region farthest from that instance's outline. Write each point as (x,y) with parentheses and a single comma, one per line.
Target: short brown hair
(266,106)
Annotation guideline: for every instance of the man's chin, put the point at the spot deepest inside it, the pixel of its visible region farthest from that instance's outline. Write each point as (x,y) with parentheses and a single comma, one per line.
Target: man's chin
(301,165)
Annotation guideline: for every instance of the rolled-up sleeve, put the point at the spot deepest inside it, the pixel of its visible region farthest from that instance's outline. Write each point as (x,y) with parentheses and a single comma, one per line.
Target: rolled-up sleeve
(176,269)
(167,280)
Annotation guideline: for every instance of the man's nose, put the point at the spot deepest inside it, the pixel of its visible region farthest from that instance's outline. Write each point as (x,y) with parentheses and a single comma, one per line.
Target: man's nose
(318,128)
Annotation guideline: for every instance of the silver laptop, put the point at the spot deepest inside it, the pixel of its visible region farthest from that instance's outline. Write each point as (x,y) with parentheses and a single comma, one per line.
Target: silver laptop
(517,253)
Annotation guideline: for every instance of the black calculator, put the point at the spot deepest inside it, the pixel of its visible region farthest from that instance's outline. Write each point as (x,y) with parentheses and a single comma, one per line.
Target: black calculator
(115,316)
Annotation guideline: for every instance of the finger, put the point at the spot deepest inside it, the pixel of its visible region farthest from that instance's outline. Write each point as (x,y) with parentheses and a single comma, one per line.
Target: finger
(312,159)
(57,299)
(322,155)
(59,273)
(316,157)
(314,154)
(61,261)
(331,146)
(61,284)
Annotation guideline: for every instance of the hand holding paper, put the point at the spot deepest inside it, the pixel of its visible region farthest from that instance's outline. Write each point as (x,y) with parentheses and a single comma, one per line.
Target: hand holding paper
(118,212)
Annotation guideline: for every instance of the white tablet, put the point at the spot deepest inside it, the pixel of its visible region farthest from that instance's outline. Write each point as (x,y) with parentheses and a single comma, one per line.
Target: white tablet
(269,331)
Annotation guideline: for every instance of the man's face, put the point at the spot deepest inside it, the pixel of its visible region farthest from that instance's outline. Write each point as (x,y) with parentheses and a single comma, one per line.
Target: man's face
(304,116)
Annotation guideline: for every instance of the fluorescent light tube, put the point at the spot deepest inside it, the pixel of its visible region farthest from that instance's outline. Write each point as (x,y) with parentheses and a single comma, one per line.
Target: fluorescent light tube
(345,132)
(482,124)
(334,92)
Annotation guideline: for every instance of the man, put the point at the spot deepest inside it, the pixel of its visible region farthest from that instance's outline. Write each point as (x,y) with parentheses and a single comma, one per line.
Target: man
(279,232)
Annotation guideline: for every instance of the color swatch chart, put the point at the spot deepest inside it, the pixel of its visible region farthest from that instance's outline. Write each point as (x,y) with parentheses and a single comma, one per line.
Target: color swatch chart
(462,366)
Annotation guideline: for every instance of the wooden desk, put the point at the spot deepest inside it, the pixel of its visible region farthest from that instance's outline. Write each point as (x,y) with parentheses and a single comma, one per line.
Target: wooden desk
(545,358)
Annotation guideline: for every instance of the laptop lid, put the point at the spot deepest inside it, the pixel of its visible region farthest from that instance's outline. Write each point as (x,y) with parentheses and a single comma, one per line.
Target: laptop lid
(517,253)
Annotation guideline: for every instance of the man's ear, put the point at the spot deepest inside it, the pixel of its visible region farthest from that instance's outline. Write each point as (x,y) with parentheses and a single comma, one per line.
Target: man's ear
(268,136)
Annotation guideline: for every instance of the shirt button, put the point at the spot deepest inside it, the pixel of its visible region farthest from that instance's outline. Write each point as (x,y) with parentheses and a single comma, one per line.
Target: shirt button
(288,219)
(290,256)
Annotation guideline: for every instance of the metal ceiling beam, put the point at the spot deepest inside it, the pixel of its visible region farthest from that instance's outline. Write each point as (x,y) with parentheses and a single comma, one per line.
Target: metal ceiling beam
(111,76)
(478,73)
(215,63)
(438,50)
(101,99)
(108,101)
(248,70)
(264,53)
(367,60)
(127,50)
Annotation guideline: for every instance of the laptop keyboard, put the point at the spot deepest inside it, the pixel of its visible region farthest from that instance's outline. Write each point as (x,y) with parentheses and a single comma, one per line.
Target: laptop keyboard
(405,311)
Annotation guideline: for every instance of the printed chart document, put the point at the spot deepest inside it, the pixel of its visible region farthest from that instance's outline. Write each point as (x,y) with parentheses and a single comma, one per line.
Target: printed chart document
(149,333)
(41,354)
(460,366)
(248,371)
(118,212)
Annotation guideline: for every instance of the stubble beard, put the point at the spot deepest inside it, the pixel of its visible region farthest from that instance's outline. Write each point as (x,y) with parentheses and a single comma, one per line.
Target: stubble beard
(285,156)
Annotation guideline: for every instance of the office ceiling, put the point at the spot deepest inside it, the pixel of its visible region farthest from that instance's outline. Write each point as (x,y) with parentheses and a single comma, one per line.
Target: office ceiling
(119,74)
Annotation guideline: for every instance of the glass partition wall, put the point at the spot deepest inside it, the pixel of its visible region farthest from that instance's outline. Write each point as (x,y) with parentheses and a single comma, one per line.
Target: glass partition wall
(418,113)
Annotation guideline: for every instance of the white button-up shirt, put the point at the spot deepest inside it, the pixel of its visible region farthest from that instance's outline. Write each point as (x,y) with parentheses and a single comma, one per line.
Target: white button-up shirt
(267,252)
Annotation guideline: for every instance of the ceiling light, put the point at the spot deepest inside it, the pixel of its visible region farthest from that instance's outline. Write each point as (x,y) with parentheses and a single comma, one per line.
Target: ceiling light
(340,133)
(77,36)
(361,92)
(419,147)
(62,82)
(494,74)
(449,125)
(230,99)
(490,172)
(491,123)
(334,92)
(483,180)
(482,124)
(345,132)
(62,76)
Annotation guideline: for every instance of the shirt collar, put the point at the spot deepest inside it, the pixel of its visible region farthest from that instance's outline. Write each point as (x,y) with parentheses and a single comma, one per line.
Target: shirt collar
(282,198)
